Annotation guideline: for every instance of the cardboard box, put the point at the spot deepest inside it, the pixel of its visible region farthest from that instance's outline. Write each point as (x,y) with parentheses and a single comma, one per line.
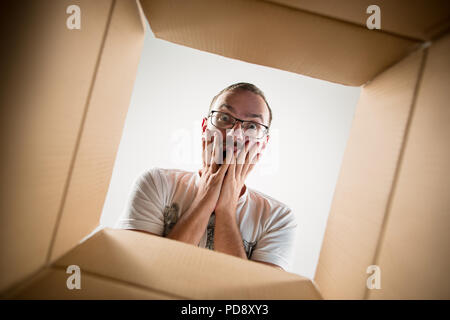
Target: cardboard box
(164,268)
(64,97)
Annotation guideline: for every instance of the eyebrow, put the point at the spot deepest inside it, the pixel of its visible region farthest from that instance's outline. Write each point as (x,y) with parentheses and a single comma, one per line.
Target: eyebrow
(251,115)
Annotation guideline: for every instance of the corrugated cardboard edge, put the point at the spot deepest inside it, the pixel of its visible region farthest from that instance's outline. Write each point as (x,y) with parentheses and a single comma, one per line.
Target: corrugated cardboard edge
(431,13)
(94,159)
(413,254)
(370,162)
(309,44)
(42,109)
(110,254)
(43,287)
(69,230)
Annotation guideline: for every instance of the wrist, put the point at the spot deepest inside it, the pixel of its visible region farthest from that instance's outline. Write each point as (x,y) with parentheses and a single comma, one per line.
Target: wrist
(228,210)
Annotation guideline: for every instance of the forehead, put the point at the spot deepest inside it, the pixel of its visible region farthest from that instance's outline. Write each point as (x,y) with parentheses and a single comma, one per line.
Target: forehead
(243,104)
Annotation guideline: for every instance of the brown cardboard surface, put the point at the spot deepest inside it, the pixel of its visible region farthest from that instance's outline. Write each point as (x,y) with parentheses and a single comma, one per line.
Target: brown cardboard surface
(420,19)
(45,84)
(102,126)
(64,97)
(414,255)
(60,138)
(182,270)
(277,36)
(52,285)
(365,181)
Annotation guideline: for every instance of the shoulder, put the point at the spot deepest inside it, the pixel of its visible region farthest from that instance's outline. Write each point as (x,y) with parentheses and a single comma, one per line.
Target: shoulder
(164,176)
(268,201)
(166,172)
(273,211)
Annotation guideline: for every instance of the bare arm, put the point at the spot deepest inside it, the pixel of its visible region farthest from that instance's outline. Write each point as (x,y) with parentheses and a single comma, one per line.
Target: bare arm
(227,236)
(228,239)
(192,224)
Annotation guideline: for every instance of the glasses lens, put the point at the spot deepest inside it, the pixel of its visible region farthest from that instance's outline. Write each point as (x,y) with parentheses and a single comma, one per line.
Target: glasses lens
(225,121)
(253,130)
(222,120)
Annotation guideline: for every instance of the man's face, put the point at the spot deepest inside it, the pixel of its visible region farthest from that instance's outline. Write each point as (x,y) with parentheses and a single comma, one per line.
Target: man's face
(244,105)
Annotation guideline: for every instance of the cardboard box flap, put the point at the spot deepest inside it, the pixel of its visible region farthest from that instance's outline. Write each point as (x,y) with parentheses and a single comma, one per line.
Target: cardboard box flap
(102,127)
(423,19)
(182,270)
(65,95)
(365,180)
(414,255)
(51,284)
(40,131)
(278,36)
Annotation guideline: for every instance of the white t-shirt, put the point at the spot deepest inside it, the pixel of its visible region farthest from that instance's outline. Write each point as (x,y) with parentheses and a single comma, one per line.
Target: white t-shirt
(159,196)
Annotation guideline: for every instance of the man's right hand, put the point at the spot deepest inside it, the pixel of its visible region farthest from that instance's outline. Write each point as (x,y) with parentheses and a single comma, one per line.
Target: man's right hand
(191,226)
(213,171)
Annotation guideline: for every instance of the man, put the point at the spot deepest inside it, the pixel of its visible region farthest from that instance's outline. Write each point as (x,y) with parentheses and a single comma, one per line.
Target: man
(213,208)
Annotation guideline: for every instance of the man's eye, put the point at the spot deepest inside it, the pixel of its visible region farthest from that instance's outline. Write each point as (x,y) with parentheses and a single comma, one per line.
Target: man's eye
(224,118)
(251,126)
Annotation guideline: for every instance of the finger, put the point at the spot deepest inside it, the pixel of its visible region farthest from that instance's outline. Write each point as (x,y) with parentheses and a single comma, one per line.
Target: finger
(213,144)
(203,151)
(240,161)
(261,147)
(247,144)
(229,138)
(208,148)
(232,167)
(217,153)
(229,156)
(228,160)
(251,166)
(254,152)
(250,159)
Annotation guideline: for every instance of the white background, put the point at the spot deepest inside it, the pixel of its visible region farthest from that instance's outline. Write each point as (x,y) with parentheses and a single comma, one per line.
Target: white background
(300,166)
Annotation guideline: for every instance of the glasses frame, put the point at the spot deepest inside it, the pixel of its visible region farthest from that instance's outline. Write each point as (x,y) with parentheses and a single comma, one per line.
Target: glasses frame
(236,119)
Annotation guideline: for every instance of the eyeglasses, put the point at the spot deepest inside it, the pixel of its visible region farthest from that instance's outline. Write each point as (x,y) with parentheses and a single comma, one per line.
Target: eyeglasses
(223,120)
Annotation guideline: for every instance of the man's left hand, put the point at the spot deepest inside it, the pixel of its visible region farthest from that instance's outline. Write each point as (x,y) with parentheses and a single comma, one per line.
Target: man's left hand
(241,165)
